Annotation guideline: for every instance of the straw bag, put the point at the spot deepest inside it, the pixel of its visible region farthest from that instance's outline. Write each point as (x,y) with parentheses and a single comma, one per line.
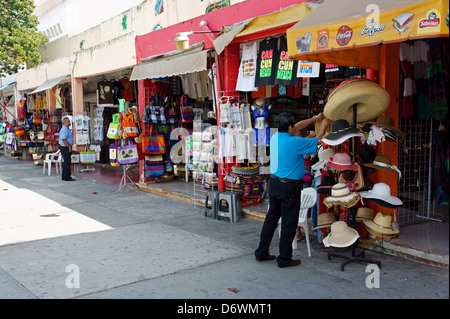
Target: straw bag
(129,126)
(18,129)
(114,129)
(87,157)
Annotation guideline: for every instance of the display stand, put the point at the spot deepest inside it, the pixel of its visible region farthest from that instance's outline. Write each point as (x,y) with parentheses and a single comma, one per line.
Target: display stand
(360,256)
(126,178)
(354,257)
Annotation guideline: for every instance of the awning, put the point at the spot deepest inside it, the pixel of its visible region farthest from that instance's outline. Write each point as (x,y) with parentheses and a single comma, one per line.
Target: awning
(7,85)
(268,22)
(50,83)
(326,34)
(174,63)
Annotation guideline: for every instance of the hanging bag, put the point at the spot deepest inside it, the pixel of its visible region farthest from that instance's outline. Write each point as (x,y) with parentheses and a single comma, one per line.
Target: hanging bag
(129,126)
(49,135)
(154,143)
(187,112)
(114,131)
(154,166)
(127,154)
(37,119)
(87,157)
(10,137)
(18,129)
(170,109)
(113,154)
(21,110)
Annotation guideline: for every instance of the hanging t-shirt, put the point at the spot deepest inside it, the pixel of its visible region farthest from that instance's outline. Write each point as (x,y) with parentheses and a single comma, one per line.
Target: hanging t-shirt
(247,69)
(105,93)
(266,69)
(286,69)
(127,90)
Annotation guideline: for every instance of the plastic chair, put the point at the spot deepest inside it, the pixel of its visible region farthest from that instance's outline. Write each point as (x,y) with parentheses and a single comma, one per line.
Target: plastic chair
(51,158)
(308,200)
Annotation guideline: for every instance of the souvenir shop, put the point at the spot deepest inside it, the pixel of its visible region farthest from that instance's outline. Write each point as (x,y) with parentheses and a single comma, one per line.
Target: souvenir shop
(35,120)
(103,96)
(364,160)
(177,97)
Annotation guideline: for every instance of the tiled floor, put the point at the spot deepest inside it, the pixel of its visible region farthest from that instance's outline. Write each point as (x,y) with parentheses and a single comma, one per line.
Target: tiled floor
(430,236)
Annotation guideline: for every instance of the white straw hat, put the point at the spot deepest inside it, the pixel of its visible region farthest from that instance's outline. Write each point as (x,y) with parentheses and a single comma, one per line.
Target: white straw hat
(341,235)
(382,191)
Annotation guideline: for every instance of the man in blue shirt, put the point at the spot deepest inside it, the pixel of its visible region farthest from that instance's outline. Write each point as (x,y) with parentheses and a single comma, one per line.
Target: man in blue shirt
(65,145)
(287,168)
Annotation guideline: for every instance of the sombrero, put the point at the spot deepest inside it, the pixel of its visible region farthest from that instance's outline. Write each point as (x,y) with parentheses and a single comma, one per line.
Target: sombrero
(325,220)
(341,196)
(341,235)
(370,98)
(340,132)
(387,126)
(384,163)
(381,224)
(364,213)
(382,193)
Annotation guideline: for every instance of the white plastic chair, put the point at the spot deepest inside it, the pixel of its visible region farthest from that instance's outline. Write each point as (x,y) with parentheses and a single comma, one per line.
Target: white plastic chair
(308,200)
(51,158)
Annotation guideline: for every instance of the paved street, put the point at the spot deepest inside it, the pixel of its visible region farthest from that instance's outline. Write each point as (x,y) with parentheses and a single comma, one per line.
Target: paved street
(82,239)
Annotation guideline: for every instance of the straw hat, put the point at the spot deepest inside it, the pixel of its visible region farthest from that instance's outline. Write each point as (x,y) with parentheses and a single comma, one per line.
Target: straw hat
(318,125)
(341,235)
(381,224)
(384,163)
(341,196)
(340,132)
(341,162)
(370,98)
(324,155)
(364,213)
(382,193)
(325,220)
(387,126)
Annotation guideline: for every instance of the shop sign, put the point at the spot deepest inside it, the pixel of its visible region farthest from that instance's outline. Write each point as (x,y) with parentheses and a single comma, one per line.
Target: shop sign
(344,35)
(402,22)
(431,23)
(322,39)
(371,30)
(308,69)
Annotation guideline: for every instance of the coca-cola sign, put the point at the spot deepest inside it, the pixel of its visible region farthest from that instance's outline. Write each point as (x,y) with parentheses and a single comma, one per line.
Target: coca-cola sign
(344,35)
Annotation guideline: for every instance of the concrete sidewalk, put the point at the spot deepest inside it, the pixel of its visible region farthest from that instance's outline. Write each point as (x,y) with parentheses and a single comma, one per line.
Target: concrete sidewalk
(82,239)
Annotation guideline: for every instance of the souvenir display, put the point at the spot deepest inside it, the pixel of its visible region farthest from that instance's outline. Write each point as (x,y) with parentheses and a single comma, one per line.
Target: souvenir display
(341,235)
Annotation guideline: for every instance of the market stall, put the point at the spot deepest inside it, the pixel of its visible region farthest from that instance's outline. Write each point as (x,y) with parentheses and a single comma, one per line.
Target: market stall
(368,35)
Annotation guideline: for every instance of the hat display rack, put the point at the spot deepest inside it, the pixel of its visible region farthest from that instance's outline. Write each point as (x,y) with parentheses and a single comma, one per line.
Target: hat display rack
(344,234)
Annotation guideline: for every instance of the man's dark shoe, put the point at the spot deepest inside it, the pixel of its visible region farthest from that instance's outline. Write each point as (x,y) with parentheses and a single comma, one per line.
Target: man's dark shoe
(71,180)
(268,257)
(293,262)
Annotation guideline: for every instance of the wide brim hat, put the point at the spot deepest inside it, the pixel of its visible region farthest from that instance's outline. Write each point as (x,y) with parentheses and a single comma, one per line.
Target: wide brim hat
(371,100)
(341,196)
(385,123)
(382,191)
(318,125)
(323,156)
(381,224)
(325,185)
(340,132)
(325,220)
(341,162)
(357,182)
(383,162)
(364,213)
(340,235)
